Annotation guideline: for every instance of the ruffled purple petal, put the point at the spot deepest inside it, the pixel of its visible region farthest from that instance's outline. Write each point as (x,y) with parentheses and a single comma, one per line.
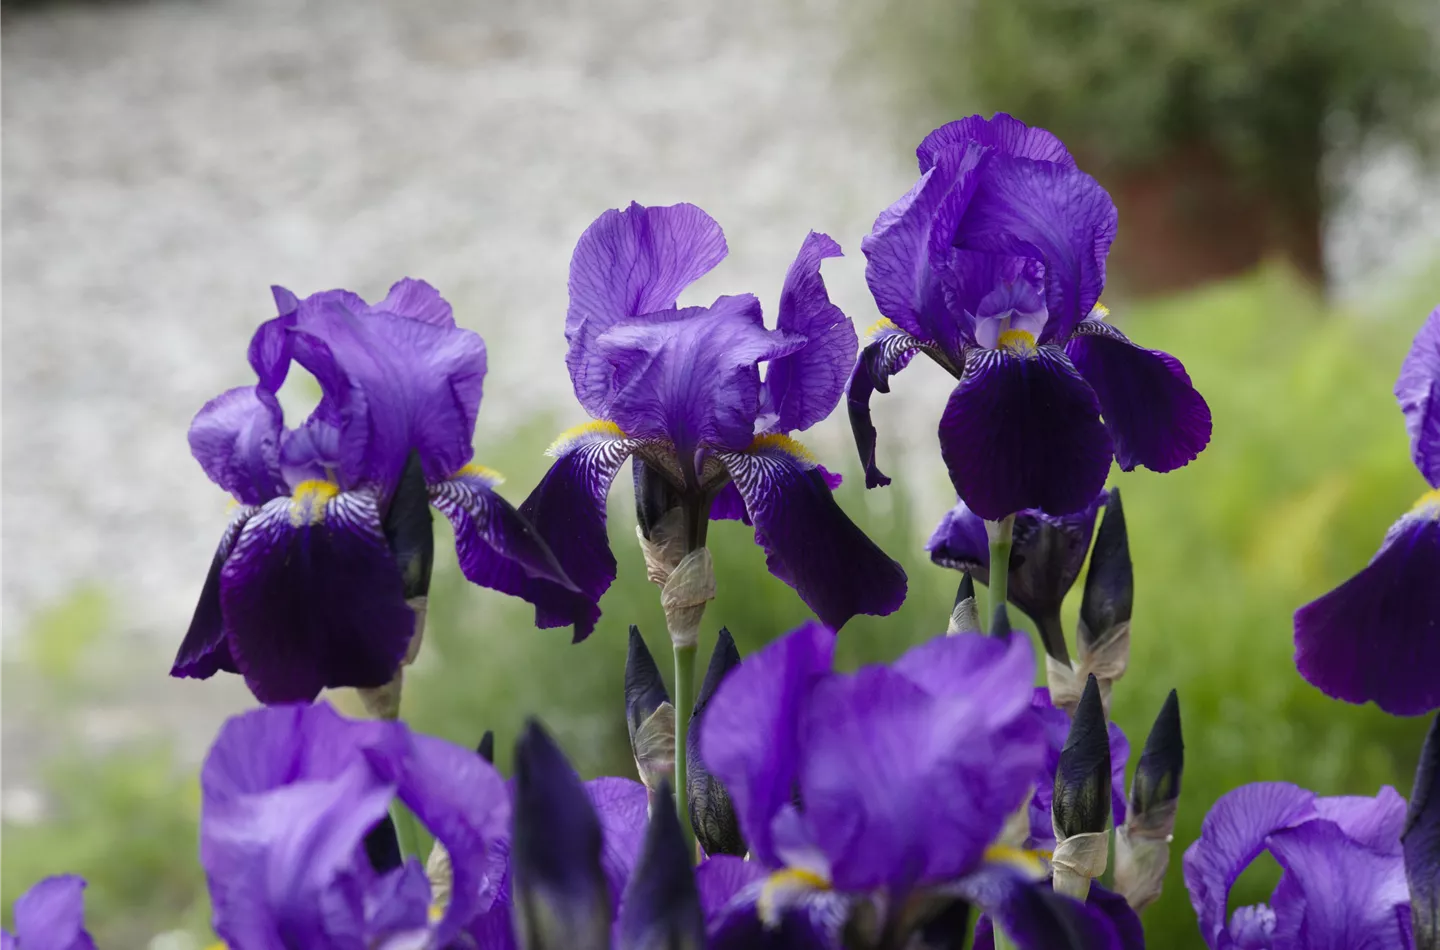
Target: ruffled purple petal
(1155,416)
(620,804)
(1418,391)
(313,599)
(1050,212)
(1374,822)
(750,734)
(397,383)
(628,263)
(204,651)
(567,508)
(1231,836)
(802,388)
(720,878)
(1341,895)
(496,546)
(810,543)
(417,300)
(236,438)
(1024,432)
(51,915)
(1004,133)
(887,353)
(691,376)
(959,542)
(1377,636)
(270,347)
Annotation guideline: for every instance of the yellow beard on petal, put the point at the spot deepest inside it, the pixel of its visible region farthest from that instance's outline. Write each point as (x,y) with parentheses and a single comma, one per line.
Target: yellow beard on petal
(1017,342)
(564,440)
(308,501)
(778,886)
(783,443)
(884,323)
(1428,505)
(483,472)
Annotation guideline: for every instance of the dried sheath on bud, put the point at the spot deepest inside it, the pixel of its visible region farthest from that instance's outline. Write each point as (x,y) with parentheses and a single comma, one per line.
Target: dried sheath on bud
(1142,846)
(1080,809)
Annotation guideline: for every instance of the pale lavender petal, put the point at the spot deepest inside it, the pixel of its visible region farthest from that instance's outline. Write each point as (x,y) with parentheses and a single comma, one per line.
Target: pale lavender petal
(51,915)
(1344,894)
(720,878)
(236,438)
(1418,390)
(1374,822)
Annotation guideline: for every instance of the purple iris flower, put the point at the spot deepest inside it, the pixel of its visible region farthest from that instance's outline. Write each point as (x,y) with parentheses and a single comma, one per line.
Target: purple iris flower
(50,916)
(316,575)
(289,794)
(992,265)
(885,781)
(681,390)
(1057,728)
(1377,636)
(1343,884)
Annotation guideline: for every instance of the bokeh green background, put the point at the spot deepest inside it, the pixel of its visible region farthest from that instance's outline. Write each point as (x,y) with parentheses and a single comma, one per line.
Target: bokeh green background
(1307,469)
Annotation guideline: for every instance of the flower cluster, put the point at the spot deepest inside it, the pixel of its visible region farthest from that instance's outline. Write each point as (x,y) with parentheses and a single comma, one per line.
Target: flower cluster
(937,801)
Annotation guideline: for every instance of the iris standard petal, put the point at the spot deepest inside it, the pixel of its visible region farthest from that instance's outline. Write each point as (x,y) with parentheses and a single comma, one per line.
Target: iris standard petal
(1418,391)
(312,597)
(620,805)
(51,915)
(1155,416)
(810,543)
(1374,822)
(1003,133)
(1231,836)
(270,347)
(750,735)
(802,388)
(204,651)
(691,376)
(1050,212)
(628,263)
(236,438)
(1377,636)
(1345,894)
(567,508)
(417,300)
(496,546)
(1024,432)
(888,351)
(398,383)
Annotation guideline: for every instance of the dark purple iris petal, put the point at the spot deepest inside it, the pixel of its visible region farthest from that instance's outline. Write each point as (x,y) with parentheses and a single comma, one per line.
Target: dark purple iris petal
(1024,432)
(1418,390)
(567,508)
(51,916)
(887,353)
(1377,636)
(727,505)
(628,263)
(204,651)
(691,376)
(1057,728)
(810,543)
(315,604)
(1004,133)
(1155,416)
(1049,212)
(1336,894)
(800,389)
(1038,919)
(236,438)
(497,547)
(815,922)
(750,736)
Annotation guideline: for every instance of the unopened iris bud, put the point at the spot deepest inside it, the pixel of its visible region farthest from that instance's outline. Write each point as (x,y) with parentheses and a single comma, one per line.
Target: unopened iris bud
(486,748)
(661,908)
(561,899)
(965,615)
(1110,585)
(1142,846)
(648,715)
(1421,844)
(1080,809)
(712,814)
(655,497)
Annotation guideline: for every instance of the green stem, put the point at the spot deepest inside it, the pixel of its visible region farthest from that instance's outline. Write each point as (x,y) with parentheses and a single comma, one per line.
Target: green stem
(684,699)
(1001,534)
(1002,939)
(407,830)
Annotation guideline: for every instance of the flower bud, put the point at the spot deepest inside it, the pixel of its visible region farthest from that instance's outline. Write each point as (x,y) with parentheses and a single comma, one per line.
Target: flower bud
(1421,844)
(1142,846)
(1110,585)
(965,615)
(1081,804)
(648,715)
(655,497)
(661,907)
(561,900)
(486,748)
(711,812)
(1162,762)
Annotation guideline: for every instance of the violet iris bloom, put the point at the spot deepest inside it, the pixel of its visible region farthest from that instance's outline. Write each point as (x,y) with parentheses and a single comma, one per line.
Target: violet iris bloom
(885,781)
(289,793)
(680,389)
(992,265)
(309,587)
(1057,728)
(50,916)
(1377,636)
(1343,884)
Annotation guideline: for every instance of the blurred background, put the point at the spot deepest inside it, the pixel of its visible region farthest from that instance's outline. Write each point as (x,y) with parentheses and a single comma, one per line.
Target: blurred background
(164,162)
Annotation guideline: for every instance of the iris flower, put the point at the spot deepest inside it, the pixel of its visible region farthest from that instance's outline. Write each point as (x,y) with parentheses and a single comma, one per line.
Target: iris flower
(680,389)
(1344,877)
(992,265)
(50,916)
(317,574)
(1377,636)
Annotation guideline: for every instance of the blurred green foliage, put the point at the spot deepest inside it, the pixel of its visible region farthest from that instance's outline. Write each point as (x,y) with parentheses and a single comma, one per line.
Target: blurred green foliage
(1307,469)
